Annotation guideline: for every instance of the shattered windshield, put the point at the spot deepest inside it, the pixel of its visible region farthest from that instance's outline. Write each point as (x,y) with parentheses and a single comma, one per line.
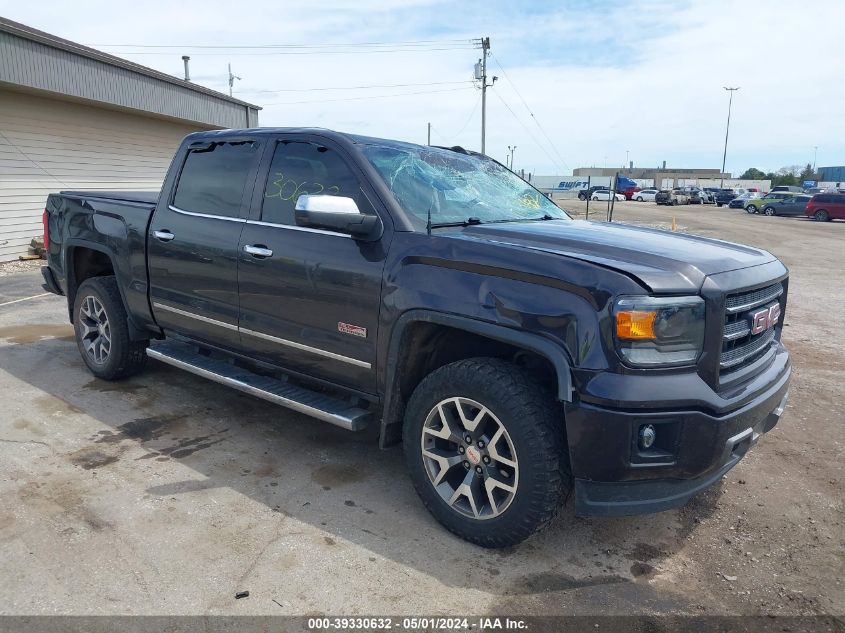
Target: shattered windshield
(456,188)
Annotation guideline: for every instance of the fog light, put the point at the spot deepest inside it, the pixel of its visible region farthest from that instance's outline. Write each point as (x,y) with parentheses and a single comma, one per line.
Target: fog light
(647,436)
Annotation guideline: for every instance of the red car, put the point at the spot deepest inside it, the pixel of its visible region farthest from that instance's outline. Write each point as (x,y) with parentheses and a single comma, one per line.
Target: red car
(826,206)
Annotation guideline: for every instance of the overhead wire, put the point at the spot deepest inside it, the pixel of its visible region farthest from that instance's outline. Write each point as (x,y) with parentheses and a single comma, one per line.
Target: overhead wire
(399,94)
(528,131)
(530,111)
(432,83)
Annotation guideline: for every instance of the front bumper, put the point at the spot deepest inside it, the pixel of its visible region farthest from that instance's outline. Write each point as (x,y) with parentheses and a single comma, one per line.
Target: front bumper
(612,478)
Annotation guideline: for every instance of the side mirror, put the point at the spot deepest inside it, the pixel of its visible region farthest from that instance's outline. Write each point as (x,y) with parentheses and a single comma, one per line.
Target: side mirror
(337,213)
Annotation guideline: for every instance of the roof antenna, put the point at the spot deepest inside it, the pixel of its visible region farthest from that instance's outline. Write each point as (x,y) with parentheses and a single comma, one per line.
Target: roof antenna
(428,224)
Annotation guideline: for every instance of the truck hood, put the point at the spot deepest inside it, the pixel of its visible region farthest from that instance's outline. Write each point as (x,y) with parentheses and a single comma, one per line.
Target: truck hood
(663,261)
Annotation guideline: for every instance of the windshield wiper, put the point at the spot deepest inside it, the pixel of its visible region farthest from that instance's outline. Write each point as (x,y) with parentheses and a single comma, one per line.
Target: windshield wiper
(541,219)
(467,222)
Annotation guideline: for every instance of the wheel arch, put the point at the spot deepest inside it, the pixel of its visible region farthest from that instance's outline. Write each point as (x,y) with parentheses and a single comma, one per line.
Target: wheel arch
(455,338)
(85,260)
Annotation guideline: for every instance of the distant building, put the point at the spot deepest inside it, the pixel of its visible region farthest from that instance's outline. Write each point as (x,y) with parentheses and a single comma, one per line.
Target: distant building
(832,174)
(655,174)
(72,117)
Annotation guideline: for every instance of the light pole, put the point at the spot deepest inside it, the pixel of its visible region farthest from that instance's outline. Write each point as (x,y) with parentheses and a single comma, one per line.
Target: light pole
(815,154)
(627,151)
(511,149)
(727,130)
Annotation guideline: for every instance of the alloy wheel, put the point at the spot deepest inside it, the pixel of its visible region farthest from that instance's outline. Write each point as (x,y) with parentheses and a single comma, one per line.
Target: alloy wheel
(94,329)
(469,458)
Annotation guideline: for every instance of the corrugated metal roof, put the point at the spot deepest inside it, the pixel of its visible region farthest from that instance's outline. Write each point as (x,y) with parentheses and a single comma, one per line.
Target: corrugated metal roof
(35,59)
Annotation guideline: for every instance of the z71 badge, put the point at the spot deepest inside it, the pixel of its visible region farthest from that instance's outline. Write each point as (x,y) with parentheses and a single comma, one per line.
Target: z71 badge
(354,330)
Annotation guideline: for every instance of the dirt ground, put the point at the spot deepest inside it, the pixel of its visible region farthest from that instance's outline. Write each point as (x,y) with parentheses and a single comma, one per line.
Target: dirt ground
(166,494)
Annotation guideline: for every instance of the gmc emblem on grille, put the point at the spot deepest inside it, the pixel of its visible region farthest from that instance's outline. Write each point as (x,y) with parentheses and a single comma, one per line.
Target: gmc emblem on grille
(762,320)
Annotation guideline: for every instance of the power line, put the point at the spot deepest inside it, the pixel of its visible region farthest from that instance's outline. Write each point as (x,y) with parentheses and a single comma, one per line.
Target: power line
(433,83)
(313,52)
(399,94)
(459,132)
(533,117)
(524,127)
(411,43)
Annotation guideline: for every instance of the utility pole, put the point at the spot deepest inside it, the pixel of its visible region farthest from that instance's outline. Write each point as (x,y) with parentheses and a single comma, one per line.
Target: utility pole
(429,135)
(815,154)
(627,151)
(727,130)
(481,75)
(232,79)
(511,149)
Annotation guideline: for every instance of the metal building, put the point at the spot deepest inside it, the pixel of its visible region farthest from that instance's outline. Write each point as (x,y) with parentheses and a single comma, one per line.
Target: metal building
(72,117)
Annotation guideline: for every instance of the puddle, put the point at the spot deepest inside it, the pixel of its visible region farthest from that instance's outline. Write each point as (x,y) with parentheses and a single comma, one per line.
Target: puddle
(34,332)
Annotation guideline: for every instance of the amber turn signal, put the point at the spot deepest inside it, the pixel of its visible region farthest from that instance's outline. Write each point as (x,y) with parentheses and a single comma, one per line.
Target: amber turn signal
(635,324)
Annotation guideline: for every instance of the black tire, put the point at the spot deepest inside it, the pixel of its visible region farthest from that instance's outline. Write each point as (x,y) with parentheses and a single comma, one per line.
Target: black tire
(675,203)
(124,357)
(770,211)
(751,209)
(534,425)
(719,204)
(582,197)
(639,198)
(821,216)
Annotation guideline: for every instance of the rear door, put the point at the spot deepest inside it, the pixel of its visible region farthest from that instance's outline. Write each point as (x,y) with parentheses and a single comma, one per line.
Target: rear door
(193,241)
(310,298)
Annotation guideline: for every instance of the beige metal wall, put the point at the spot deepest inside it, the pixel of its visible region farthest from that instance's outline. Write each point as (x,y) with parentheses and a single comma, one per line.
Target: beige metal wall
(47,145)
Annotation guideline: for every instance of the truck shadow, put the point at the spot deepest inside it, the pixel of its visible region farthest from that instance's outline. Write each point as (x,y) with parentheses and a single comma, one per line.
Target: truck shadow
(340,483)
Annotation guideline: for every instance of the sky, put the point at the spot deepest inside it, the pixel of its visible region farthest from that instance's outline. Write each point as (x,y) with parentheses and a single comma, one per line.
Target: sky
(580,82)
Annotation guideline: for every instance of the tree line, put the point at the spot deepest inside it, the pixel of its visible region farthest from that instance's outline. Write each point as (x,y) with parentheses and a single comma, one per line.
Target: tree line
(791,175)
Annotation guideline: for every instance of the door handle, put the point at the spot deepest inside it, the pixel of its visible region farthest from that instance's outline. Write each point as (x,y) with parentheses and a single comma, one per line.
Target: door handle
(164,235)
(258,250)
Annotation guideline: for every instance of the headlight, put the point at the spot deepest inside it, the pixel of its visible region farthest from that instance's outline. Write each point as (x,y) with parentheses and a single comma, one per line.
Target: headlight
(659,331)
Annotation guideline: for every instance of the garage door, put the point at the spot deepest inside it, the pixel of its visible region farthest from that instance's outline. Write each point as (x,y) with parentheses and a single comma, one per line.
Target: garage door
(48,145)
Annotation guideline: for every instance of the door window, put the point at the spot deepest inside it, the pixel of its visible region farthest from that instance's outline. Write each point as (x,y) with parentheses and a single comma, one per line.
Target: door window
(300,168)
(213,178)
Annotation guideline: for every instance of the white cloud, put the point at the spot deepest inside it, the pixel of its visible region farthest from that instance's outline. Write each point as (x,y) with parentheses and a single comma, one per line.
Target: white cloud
(645,76)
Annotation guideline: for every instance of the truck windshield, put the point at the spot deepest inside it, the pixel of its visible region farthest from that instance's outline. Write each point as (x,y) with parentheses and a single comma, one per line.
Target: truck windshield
(456,188)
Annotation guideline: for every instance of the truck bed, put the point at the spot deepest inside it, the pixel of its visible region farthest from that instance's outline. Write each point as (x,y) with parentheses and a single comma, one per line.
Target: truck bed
(145,197)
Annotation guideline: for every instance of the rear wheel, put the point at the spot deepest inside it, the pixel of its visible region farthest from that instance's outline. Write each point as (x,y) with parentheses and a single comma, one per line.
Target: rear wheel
(751,209)
(485,450)
(821,216)
(101,328)
(770,211)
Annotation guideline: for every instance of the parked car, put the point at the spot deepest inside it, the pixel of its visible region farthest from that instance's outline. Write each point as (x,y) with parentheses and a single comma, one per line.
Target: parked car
(741,200)
(645,195)
(826,206)
(754,205)
(586,193)
(671,196)
(605,195)
(724,196)
(696,195)
(516,355)
(794,205)
(792,188)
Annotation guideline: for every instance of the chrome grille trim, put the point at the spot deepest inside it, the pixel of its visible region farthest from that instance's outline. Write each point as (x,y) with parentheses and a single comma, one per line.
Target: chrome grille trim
(746,301)
(739,355)
(736,330)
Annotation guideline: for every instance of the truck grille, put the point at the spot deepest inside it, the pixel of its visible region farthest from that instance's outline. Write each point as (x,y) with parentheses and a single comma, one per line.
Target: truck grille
(739,346)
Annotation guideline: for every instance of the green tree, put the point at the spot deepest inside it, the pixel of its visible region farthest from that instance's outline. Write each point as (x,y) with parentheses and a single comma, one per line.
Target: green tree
(808,173)
(752,173)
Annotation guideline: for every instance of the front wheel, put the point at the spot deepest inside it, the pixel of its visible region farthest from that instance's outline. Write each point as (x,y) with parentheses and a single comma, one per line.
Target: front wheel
(485,449)
(821,216)
(581,196)
(639,198)
(101,327)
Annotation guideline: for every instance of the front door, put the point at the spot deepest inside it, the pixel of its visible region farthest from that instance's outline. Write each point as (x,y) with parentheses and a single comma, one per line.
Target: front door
(193,242)
(310,298)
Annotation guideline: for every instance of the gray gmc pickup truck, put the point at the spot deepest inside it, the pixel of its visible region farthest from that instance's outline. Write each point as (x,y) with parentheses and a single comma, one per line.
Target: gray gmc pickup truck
(516,354)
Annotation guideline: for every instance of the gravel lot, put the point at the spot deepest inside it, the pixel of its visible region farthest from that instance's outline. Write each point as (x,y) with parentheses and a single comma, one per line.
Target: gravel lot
(166,494)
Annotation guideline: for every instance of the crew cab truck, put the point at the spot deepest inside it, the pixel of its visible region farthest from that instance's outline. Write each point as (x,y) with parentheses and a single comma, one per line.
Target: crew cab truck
(516,354)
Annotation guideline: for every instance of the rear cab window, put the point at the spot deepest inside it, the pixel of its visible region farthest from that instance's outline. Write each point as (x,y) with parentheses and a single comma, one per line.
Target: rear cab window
(213,178)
